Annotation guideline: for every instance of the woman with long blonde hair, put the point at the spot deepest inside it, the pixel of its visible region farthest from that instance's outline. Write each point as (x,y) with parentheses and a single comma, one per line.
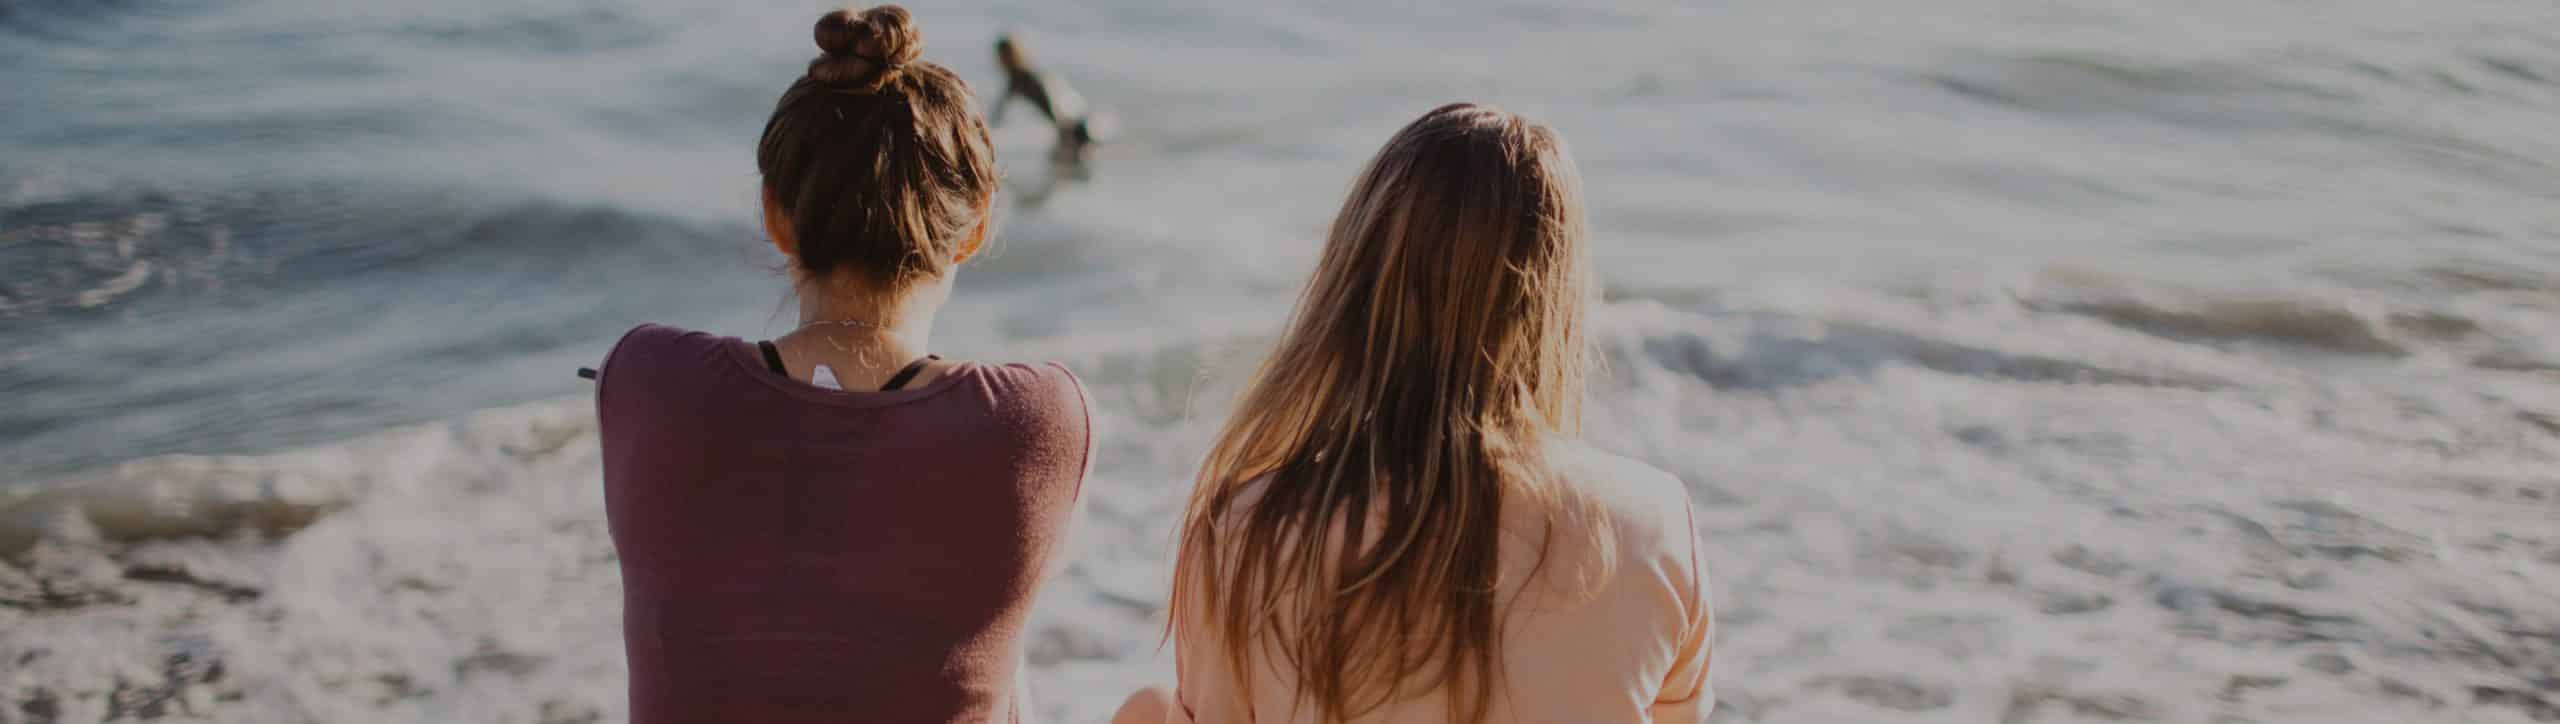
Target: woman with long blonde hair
(1396,524)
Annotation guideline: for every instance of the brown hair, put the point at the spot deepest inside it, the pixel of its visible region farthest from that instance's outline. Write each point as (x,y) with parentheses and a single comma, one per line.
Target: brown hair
(1009,55)
(878,160)
(1440,340)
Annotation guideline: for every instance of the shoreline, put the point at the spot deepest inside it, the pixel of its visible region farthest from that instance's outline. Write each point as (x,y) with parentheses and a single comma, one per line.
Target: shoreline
(1894,531)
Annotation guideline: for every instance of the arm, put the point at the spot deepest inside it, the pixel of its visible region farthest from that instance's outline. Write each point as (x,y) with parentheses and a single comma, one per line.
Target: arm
(1686,695)
(1190,677)
(1206,686)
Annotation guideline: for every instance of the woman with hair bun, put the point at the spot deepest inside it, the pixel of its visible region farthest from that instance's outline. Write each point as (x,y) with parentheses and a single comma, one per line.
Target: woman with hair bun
(835,525)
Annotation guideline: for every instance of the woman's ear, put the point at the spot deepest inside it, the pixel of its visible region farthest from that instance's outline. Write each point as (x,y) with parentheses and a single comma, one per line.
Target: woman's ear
(777,226)
(977,239)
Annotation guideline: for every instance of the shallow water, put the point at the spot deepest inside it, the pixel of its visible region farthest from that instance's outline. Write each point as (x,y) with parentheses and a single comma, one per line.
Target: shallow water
(2027,361)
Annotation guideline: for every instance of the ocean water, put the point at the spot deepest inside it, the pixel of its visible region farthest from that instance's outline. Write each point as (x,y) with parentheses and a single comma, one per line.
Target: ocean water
(2027,361)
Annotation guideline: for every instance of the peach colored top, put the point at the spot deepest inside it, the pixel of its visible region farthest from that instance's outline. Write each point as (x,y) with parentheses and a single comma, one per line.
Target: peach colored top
(1630,647)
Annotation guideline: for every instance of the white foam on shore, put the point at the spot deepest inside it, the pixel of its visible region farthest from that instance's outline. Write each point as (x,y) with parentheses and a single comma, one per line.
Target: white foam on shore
(2026,361)
(1955,529)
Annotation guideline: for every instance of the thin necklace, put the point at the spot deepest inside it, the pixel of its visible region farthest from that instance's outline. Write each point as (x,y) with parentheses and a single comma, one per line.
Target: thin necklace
(848,323)
(855,323)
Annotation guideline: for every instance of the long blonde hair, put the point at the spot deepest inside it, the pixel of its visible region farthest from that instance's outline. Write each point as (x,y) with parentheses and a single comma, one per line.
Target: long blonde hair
(1439,341)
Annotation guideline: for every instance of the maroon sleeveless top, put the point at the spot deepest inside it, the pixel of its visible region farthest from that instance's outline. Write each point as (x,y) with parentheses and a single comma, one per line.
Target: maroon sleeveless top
(797,554)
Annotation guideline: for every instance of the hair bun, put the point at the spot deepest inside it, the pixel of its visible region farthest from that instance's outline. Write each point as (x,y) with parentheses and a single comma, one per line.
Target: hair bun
(866,49)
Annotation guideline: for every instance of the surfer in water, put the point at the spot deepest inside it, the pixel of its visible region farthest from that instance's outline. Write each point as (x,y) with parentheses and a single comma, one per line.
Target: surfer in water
(1051,94)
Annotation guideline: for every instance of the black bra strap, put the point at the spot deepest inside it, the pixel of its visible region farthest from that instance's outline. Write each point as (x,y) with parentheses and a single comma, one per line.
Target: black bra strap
(908,374)
(773,357)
